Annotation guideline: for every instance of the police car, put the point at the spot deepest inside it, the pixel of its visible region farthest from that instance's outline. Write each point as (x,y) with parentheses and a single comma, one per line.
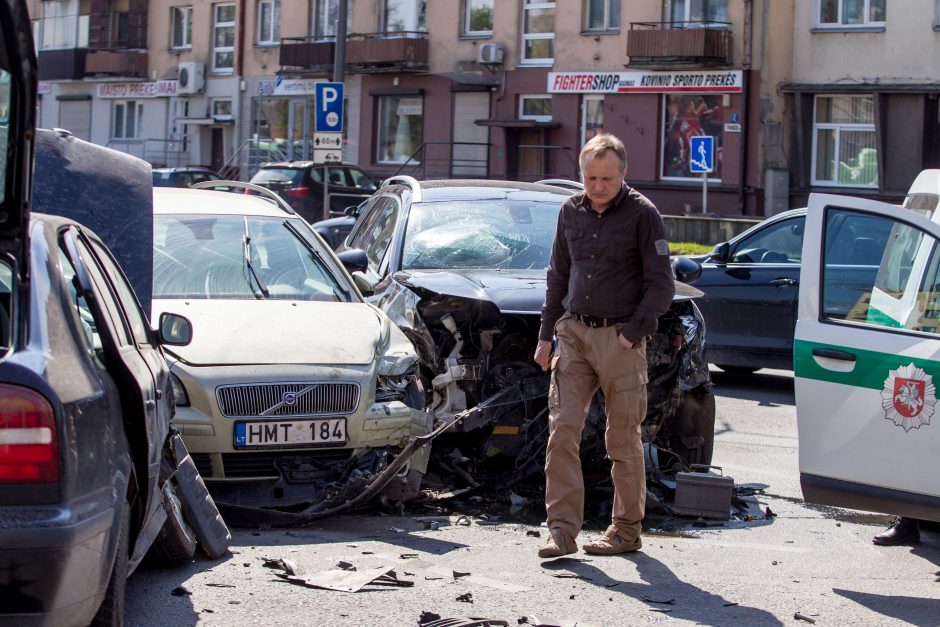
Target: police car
(867,361)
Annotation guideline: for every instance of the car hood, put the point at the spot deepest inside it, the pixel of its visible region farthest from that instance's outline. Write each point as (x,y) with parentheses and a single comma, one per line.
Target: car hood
(516,291)
(262,332)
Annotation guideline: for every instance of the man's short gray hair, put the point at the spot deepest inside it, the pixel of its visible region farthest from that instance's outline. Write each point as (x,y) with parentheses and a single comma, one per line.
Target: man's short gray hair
(597,147)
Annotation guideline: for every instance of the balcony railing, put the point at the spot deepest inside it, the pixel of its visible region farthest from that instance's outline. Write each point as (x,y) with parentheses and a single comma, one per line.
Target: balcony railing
(305,52)
(67,64)
(679,43)
(116,63)
(387,52)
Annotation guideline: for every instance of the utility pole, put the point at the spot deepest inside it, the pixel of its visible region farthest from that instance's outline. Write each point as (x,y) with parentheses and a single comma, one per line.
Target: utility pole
(339,51)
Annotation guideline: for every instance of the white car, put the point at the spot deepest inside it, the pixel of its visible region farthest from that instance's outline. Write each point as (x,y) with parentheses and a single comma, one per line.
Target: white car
(294,390)
(866,375)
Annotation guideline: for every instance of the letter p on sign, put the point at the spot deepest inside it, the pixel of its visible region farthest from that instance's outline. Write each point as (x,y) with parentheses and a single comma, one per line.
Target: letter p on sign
(329,107)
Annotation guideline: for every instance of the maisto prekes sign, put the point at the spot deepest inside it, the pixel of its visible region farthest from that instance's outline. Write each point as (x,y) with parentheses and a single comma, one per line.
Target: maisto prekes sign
(723,82)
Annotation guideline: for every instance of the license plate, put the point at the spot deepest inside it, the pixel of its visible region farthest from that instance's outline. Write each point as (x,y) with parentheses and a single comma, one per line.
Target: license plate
(290,433)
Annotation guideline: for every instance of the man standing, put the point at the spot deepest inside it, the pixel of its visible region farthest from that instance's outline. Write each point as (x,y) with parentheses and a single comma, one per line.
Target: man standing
(609,279)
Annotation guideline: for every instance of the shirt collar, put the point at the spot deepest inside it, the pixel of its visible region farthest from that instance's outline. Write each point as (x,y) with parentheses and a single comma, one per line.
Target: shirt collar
(585,202)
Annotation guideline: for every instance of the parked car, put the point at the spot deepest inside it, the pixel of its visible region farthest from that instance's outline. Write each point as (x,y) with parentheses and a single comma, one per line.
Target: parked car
(88,463)
(294,391)
(460,266)
(182,177)
(300,183)
(335,230)
(751,284)
(865,375)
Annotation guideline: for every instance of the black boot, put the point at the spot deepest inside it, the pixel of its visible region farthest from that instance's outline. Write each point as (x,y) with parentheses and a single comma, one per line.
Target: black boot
(902,531)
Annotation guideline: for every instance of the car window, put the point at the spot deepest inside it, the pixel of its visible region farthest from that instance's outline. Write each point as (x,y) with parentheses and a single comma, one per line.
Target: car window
(125,294)
(900,291)
(6,303)
(198,256)
(361,180)
(781,242)
(375,232)
(86,319)
(338,176)
(199,177)
(278,175)
(475,234)
(106,298)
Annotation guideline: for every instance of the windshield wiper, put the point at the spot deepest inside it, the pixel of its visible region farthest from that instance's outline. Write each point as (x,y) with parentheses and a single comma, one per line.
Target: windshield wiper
(247,249)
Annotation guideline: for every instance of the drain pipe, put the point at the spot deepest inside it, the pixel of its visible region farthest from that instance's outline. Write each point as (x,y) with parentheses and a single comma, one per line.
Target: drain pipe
(746,87)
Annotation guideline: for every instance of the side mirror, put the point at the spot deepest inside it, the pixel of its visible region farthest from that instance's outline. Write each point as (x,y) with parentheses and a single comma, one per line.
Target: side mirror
(354,259)
(365,285)
(175,330)
(352,211)
(686,270)
(722,253)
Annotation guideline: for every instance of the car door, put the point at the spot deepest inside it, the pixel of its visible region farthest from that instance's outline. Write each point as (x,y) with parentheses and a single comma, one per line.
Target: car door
(865,374)
(751,295)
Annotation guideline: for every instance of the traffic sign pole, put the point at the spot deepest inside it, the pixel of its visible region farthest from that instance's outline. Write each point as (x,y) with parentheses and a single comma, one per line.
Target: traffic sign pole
(704,192)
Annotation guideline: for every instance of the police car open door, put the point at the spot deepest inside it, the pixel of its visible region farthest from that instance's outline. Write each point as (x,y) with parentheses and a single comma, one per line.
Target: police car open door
(867,359)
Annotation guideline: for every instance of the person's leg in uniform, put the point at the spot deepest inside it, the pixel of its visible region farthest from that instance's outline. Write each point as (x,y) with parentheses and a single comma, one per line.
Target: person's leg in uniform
(573,384)
(623,376)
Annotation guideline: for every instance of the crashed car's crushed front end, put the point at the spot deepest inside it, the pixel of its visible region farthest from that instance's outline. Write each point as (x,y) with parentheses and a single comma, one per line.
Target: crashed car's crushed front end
(477,357)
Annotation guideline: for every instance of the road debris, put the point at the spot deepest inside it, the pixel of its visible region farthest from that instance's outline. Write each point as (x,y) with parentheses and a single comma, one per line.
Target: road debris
(462,621)
(467,597)
(662,601)
(349,580)
(804,617)
(180,591)
(287,565)
(533,533)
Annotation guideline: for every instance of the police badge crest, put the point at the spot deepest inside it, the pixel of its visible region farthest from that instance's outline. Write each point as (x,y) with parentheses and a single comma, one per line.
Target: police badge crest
(908,397)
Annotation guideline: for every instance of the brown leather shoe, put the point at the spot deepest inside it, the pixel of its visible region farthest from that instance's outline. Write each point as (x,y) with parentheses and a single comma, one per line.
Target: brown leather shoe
(902,531)
(612,544)
(558,544)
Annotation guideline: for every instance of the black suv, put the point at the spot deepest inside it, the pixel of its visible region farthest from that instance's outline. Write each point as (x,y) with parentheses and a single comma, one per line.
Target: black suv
(300,183)
(460,265)
(182,177)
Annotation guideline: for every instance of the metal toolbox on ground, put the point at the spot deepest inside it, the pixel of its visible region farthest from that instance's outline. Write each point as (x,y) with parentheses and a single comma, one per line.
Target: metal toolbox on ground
(706,494)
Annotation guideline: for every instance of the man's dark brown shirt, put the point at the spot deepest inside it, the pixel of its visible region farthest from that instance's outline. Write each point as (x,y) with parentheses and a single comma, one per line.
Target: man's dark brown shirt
(613,264)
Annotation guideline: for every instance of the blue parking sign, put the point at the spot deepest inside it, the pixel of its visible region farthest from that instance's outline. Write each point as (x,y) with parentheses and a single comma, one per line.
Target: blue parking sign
(329,103)
(702,157)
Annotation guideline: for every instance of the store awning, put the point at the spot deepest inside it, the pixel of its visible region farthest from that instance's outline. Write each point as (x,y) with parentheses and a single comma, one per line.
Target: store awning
(518,124)
(195,121)
(468,81)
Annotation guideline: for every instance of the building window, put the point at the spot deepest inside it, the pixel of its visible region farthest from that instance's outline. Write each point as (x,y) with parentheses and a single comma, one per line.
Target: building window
(592,117)
(223,38)
(686,116)
(401,122)
(477,18)
(326,18)
(222,108)
(128,115)
(404,16)
(538,32)
(269,22)
(61,25)
(602,15)
(698,11)
(851,13)
(844,150)
(538,108)
(182,28)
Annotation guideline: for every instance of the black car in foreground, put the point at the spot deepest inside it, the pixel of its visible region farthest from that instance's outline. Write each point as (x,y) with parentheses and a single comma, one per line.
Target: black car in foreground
(460,266)
(92,480)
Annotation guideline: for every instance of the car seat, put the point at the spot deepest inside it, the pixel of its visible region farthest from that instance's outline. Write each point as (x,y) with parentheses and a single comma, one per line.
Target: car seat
(772,256)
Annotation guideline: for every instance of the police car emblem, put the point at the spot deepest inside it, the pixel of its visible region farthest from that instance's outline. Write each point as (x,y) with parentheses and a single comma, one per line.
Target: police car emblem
(908,397)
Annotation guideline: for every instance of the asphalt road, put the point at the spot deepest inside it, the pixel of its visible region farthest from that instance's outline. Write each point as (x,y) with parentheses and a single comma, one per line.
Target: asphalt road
(815,562)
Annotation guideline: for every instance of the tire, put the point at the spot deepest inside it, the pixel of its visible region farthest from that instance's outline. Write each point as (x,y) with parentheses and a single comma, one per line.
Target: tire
(176,543)
(696,418)
(111,612)
(738,369)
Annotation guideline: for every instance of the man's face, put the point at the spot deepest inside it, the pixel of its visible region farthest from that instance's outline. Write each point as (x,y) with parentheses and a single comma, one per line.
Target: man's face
(603,178)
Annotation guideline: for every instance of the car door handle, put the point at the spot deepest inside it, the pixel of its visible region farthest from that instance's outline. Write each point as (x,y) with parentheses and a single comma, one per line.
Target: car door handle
(831,353)
(784,282)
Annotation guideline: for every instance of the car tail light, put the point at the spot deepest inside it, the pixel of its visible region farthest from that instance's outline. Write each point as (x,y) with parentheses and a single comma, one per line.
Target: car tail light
(29,447)
(294,192)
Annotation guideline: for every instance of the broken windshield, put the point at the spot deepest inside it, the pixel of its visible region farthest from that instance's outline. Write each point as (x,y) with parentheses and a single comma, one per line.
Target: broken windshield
(196,256)
(508,234)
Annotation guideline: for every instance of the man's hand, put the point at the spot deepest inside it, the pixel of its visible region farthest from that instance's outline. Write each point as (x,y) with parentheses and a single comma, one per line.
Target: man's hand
(543,354)
(624,342)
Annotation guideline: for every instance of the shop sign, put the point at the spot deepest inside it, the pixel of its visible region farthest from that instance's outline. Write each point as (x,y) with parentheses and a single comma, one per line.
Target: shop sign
(153,89)
(287,87)
(725,82)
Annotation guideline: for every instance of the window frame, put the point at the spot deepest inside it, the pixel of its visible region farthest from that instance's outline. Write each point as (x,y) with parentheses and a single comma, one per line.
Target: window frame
(186,11)
(840,25)
(533,5)
(61,26)
(839,127)
(380,127)
(607,27)
(120,109)
(216,27)
(466,19)
(523,98)
(420,15)
(272,38)
(322,27)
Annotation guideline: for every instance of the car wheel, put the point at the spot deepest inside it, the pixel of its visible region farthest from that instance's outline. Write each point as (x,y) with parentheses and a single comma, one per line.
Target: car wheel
(111,612)
(738,369)
(695,439)
(176,542)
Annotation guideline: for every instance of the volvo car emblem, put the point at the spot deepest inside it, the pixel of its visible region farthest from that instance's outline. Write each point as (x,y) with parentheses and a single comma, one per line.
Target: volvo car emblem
(289,398)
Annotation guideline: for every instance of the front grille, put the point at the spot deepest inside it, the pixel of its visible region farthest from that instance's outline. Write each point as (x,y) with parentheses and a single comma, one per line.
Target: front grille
(287,399)
(203,464)
(241,465)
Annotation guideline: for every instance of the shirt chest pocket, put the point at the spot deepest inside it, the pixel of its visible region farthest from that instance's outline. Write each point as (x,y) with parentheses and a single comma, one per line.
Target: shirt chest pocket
(618,247)
(578,244)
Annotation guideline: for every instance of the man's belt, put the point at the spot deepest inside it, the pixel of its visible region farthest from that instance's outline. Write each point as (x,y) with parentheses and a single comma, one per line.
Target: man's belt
(597,322)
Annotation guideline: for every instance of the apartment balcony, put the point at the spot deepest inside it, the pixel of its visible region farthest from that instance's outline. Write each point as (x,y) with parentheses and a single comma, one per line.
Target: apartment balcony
(67,64)
(682,44)
(375,53)
(304,52)
(132,63)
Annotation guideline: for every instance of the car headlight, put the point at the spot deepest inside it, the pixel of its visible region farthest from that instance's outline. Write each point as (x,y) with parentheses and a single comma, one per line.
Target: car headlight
(393,387)
(179,391)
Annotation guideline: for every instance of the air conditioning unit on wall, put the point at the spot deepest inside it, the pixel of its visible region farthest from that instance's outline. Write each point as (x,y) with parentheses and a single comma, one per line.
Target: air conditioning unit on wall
(192,77)
(491,54)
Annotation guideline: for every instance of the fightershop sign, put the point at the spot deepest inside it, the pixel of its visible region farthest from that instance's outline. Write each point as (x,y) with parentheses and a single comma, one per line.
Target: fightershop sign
(699,82)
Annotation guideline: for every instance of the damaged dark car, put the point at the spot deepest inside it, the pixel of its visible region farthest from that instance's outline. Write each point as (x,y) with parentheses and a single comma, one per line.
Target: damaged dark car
(460,266)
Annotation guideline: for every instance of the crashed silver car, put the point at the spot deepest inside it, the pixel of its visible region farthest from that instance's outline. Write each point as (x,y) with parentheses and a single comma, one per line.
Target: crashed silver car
(460,266)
